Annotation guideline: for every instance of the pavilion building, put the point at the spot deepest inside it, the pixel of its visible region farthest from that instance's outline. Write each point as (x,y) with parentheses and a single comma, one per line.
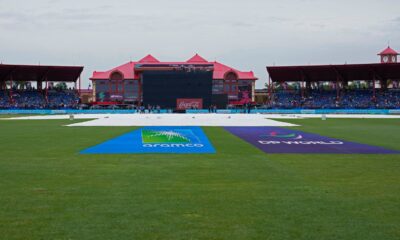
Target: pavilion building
(150,81)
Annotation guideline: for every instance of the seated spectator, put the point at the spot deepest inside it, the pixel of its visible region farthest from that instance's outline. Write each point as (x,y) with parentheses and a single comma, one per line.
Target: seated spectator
(32,99)
(348,99)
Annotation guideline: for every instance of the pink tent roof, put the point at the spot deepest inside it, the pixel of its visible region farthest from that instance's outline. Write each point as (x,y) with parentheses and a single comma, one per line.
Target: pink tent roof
(149,59)
(388,51)
(127,69)
(197,59)
(220,70)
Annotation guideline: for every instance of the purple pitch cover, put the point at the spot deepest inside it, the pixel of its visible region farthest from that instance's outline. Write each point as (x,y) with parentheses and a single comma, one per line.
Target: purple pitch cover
(281,140)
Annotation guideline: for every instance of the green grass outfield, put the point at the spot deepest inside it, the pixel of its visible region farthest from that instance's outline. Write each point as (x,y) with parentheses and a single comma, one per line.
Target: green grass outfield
(49,191)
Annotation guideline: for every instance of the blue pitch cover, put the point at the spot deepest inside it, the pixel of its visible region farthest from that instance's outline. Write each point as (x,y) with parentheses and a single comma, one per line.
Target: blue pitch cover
(179,140)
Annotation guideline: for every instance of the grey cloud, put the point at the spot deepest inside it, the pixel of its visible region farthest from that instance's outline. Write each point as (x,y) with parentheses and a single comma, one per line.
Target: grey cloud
(245,34)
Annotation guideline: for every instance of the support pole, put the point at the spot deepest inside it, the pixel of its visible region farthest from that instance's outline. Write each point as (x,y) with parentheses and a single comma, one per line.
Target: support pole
(140,86)
(269,88)
(79,90)
(46,91)
(308,87)
(373,86)
(272,88)
(302,89)
(10,92)
(337,88)
(109,88)
(123,90)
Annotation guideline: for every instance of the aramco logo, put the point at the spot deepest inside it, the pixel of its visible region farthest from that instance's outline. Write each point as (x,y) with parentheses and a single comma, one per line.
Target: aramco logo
(157,139)
(177,138)
(292,136)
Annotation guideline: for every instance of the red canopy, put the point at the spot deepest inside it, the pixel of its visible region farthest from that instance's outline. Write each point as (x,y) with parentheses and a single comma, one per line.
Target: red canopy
(197,59)
(346,72)
(388,51)
(39,73)
(149,59)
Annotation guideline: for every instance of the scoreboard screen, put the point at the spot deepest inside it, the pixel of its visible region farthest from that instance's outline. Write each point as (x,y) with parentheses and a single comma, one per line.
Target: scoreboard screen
(163,88)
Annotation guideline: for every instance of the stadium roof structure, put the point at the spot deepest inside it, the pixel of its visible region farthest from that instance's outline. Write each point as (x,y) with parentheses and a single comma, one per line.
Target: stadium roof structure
(388,51)
(197,59)
(149,59)
(10,72)
(128,69)
(331,73)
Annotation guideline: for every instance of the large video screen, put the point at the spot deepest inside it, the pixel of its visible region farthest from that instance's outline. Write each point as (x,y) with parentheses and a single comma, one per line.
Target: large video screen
(165,87)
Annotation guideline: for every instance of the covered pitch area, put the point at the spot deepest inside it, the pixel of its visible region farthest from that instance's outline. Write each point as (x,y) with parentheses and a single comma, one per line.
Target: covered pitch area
(51,191)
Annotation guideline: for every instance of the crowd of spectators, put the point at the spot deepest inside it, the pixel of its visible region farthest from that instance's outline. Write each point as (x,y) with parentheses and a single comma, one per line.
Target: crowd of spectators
(315,99)
(34,99)
(349,99)
(4,100)
(63,99)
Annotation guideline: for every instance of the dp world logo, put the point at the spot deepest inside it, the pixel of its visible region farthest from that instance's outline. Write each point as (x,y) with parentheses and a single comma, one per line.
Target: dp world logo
(170,138)
(291,136)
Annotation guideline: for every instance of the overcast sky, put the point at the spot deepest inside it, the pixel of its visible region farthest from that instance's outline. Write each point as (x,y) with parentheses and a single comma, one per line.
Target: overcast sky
(247,35)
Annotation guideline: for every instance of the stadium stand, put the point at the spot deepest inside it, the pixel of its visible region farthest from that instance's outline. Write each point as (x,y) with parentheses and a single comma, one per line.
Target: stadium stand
(343,86)
(28,99)
(33,99)
(316,99)
(4,100)
(50,92)
(349,99)
(63,99)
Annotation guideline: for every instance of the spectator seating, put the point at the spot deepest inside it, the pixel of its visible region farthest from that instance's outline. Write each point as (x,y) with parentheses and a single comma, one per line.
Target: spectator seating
(33,99)
(349,99)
